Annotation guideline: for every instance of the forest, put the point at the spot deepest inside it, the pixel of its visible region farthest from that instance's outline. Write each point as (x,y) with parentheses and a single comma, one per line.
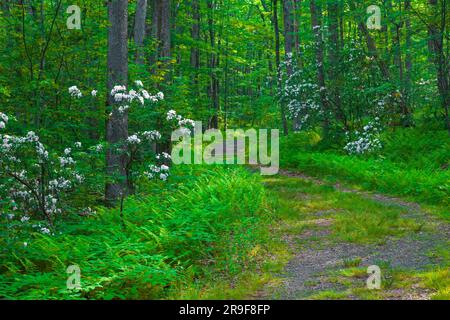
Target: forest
(224,149)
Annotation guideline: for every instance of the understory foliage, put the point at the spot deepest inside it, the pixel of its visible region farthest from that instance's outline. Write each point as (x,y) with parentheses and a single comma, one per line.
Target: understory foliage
(413,163)
(207,219)
(38,183)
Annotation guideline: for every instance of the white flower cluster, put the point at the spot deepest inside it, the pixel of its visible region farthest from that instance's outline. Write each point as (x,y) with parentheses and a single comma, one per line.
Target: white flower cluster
(139,137)
(33,180)
(157,171)
(134,139)
(366,141)
(3,120)
(75,92)
(301,96)
(151,135)
(121,94)
(183,123)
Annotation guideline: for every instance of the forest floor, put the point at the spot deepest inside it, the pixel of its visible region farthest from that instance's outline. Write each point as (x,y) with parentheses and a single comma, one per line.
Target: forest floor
(335,232)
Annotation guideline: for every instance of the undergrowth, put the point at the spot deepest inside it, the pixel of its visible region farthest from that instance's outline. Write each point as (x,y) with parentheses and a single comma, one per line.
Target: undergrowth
(207,217)
(412,164)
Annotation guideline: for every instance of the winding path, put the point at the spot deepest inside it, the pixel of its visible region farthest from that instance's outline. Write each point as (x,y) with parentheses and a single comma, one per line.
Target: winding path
(319,259)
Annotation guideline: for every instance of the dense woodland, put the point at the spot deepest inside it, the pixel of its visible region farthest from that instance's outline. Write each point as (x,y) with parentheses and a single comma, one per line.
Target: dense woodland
(86,116)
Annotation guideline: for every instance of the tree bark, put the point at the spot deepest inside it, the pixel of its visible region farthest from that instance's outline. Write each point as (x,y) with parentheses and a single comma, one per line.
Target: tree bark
(213,63)
(408,58)
(139,29)
(288,7)
(165,30)
(117,124)
(436,29)
(334,56)
(277,62)
(371,46)
(316,22)
(195,34)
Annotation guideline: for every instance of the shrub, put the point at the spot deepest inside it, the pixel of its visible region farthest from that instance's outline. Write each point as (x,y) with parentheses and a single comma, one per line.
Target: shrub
(202,218)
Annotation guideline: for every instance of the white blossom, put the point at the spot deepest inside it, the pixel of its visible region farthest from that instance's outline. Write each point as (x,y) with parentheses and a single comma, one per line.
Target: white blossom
(75,92)
(134,139)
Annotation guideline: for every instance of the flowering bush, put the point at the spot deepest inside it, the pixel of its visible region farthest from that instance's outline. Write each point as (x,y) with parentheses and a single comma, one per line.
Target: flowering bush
(366,141)
(37,182)
(301,94)
(139,146)
(33,180)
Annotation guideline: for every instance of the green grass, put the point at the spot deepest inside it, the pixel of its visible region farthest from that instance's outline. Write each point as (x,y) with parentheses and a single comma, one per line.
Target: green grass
(412,165)
(354,218)
(303,206)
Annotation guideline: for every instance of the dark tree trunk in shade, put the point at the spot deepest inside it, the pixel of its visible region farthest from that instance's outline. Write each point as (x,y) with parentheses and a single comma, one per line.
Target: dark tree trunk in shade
(334,58)
(213,63)
(316,22)
(278,61)
(139,29)
(117,123)
(436,30)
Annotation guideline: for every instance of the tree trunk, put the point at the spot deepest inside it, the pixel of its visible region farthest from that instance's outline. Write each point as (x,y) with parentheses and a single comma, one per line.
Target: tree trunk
(297,17)
(139,29)
(372,47)
(334,56)
(165,30)
(288,28)
(436,44)
(316,21)
(277,62)
(195,34)
(117,124)
(213,63)
(408,62)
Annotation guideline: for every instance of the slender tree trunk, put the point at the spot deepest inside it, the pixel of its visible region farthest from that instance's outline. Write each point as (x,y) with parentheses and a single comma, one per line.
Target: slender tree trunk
(436,32)
(288,11)
(165,30)
(372,47)
(117,123)
(195,34)
(213,92)
(316,21)
(334,56)
(277,62)
(139,29)
(289,41)
(296,18)
(408,62)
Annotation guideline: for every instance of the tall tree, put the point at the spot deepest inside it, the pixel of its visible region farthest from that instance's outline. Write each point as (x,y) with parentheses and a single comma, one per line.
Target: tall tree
(334,57)
(408,57)
(371,45)
(213,63)
(288,19)
(436,30)
(139,29)
(195,34)
(276,29)
(316,22)
(117,123)
(161,31)
(398,61)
